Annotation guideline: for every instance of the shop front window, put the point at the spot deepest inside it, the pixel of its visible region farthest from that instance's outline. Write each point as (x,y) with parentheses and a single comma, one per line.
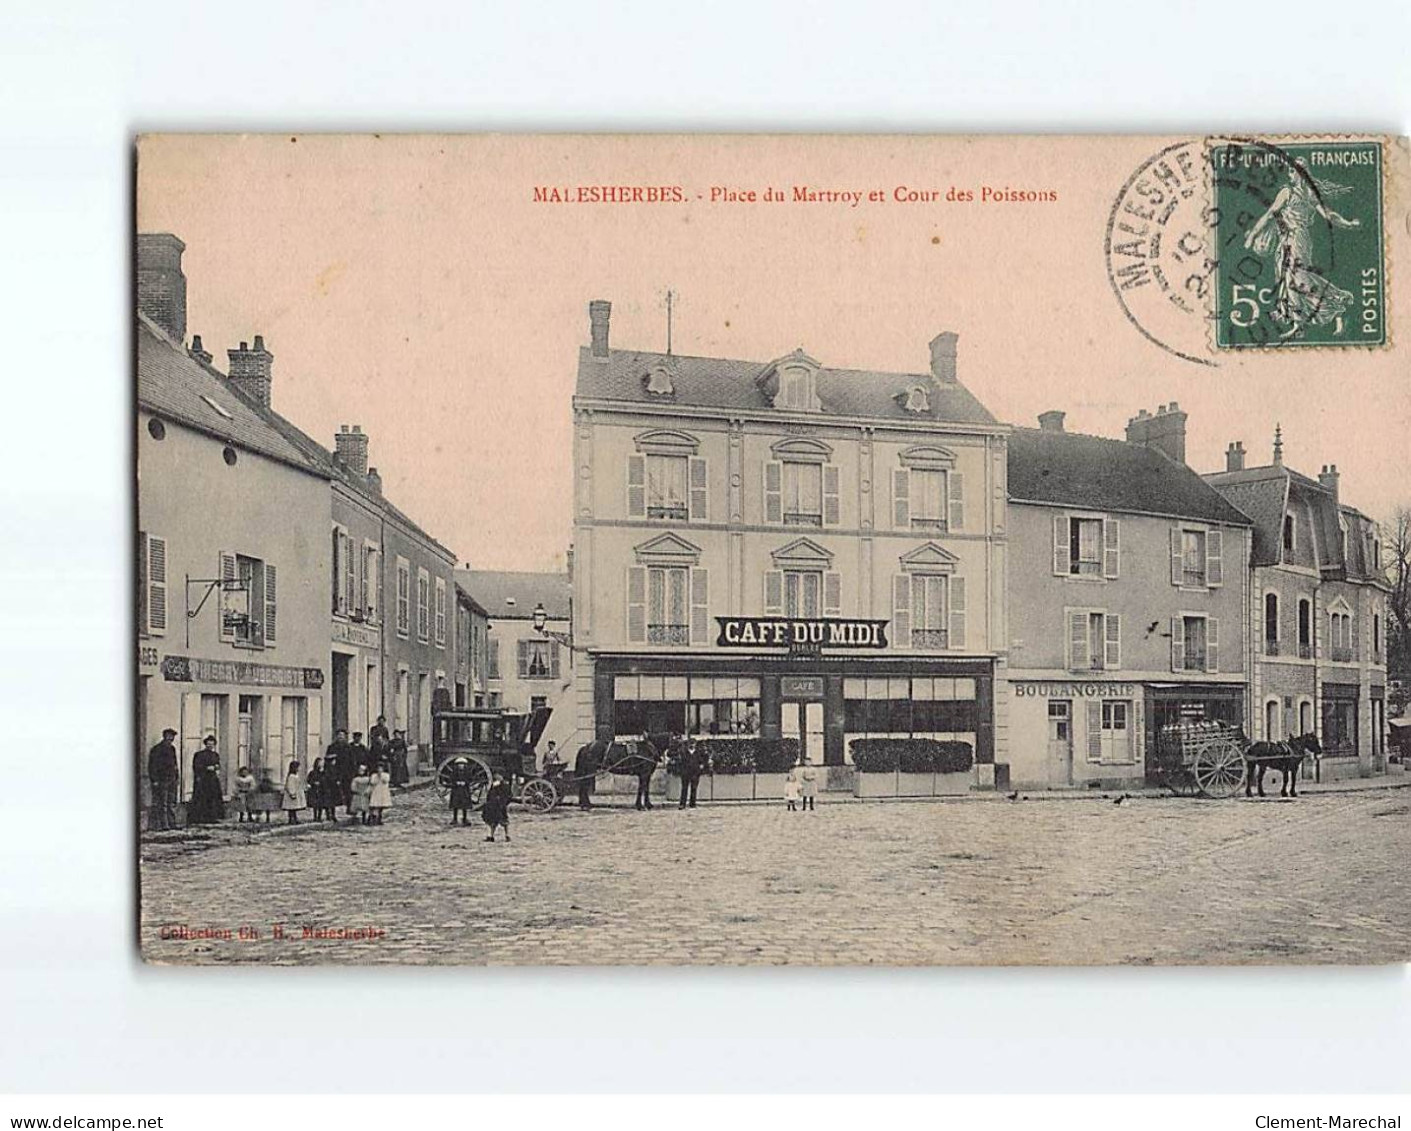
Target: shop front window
(677,705)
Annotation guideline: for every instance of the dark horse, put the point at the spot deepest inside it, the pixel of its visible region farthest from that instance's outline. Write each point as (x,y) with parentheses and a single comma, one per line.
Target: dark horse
(636,759)
(1285,756)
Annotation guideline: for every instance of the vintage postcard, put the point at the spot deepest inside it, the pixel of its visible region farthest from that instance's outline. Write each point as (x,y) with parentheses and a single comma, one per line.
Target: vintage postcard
(772,550)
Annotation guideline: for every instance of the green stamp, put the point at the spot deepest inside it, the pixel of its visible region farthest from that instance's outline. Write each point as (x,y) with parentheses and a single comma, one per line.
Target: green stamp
(1299,255)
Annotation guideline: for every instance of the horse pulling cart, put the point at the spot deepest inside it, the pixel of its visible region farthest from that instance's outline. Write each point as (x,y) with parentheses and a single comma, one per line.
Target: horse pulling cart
(1215,759)
(471,745)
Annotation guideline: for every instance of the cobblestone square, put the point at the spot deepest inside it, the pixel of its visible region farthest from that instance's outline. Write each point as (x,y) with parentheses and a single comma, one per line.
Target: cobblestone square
(1076,880)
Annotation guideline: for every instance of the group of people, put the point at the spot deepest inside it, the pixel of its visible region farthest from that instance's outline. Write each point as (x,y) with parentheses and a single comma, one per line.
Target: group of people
(350,774)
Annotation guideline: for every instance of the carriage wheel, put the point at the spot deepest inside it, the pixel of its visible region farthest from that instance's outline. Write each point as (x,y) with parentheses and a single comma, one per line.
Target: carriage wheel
(539,795)
(1219,769)
(479,779)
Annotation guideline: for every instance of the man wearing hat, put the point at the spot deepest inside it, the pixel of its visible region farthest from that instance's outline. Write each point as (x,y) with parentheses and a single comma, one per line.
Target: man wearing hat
(162,774)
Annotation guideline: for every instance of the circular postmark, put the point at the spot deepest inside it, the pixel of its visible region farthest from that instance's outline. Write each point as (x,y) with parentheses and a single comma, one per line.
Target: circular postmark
(1226,243)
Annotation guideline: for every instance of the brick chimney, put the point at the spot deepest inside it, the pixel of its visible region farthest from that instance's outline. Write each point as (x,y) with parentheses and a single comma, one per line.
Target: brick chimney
(1165,431)
(374,481)
(1328,477)
(161,286)
(350,445)
(1052,420)
(250,370)
(943,355)
(199,352)
(1234,456)
(599,312)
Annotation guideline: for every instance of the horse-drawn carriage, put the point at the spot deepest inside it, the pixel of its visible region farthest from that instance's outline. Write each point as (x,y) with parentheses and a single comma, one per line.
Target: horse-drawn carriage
(471,745)
(1199,758)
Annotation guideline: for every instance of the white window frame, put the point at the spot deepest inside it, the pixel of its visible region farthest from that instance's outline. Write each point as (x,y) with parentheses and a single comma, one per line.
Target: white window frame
(372,580)
(1109,546)
(1182,617)
(1110,637)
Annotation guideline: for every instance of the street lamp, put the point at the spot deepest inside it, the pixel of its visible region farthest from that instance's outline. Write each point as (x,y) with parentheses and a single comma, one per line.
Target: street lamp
(541,619)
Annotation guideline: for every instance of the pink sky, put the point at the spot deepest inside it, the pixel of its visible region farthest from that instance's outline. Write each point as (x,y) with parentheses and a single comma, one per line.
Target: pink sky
(409,284)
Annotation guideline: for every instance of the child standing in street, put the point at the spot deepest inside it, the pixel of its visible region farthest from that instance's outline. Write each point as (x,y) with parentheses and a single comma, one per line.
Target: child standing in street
(793,789)
(245,785)
(294,799)
(380,798)
(808,784)
(317,784)
(362,791)
(496,813)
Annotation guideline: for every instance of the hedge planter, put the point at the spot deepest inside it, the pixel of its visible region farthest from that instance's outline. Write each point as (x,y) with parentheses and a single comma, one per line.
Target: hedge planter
(897,784)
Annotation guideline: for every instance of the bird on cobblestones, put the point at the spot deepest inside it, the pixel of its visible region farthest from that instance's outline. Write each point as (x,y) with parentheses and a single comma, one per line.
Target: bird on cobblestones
(1014,796)
(1122,799)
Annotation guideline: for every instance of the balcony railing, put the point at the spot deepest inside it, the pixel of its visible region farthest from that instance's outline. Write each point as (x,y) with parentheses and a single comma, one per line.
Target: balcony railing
(668,634)
(919,522)
(931,639)
(674,511)
(800,518)
(1341,655)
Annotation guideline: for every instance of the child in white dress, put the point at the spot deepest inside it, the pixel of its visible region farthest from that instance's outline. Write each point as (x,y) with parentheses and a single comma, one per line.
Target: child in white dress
(381,796)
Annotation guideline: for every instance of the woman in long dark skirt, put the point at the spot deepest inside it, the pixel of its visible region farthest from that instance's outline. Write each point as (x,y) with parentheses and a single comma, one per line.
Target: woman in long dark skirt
(496,813)
(207,805)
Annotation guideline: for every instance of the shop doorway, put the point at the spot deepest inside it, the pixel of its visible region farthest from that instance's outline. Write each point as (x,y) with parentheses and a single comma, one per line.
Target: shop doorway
(803,720)
(1060,741)
(341,676)
(247,733)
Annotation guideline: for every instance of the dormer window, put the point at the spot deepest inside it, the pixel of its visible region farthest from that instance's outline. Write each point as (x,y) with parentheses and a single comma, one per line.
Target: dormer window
(659,381)
(916,399)
(1288,532)
(791,383)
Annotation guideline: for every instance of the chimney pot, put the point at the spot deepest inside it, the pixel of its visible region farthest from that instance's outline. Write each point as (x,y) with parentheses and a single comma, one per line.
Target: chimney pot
(1051,421)
(1234,456)
(943,353)
(599,316)
(350,446)
(250,371)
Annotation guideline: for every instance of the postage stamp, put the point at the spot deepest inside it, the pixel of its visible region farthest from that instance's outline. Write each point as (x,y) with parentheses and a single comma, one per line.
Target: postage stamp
(1299,257)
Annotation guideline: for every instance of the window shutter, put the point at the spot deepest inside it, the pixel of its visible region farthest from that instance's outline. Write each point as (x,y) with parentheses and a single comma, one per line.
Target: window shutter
(1177,562)
(522,657)
(901,609)
(1112,640)
(350,576)
(832,594)
(554,668)
(773,491)
(271,598)
(1212,644)
(227,576)
(700,606)
(1061,560)
(143,622)
(637,604)
(1094,730)
(1214,552)
(773,593)
(636,486)
(1112,547)
(956,487)
(957,612)
(1178,645)
(832,513)
(1078,658)
(156,585)
(700,494)
(901,499)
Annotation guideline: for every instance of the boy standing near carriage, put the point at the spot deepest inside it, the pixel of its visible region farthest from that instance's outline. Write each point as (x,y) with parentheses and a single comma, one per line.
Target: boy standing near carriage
(496,813)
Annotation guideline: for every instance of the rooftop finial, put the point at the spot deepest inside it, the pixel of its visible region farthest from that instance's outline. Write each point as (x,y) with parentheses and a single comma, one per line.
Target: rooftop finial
(1278,445)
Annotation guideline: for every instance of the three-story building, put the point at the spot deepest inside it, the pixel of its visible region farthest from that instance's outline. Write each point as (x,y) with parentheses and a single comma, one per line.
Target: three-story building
(1127,597)
(787,549)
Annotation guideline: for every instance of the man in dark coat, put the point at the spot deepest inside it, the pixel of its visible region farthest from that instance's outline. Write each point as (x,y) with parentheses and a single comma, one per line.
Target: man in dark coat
(335,764)
(162,777)
(379,735)
(441,696)
(585,768)
(688,758)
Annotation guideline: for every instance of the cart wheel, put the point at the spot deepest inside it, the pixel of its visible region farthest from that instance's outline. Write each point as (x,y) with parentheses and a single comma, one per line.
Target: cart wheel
(539,795)
(479,779)
(1219,769)
(442,781)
